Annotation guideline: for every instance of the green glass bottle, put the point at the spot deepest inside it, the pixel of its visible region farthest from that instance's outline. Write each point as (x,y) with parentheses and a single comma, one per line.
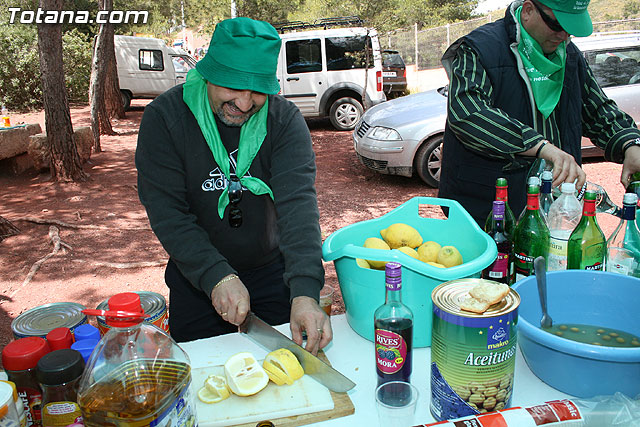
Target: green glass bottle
(502,193)
(531,237)
(587,246)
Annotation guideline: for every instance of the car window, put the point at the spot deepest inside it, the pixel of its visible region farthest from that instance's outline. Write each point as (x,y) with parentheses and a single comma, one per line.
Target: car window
(392,60)
(346,53)
(303,56)
(615,67)
(150,60)
(179,64)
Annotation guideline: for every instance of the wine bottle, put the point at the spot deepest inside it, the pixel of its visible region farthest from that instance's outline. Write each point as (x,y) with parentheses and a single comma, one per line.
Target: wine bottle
(587,245)
(393,322)
(623,246)
(530,238)
(502,193)
(500,270)
(545,194)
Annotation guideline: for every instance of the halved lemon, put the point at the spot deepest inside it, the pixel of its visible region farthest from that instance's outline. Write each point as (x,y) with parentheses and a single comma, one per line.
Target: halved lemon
(214,390)
(284,361)
(244,374)
(276,374)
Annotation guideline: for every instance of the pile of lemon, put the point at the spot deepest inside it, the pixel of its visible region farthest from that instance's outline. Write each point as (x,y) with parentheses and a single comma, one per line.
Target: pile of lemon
(244,376)
(407,239)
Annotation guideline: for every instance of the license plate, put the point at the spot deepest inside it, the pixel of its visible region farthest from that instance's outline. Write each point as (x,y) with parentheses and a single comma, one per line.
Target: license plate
(388,74)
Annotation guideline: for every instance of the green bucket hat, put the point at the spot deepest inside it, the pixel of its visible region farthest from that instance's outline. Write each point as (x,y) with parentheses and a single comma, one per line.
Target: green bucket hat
(572,15)
(243,54)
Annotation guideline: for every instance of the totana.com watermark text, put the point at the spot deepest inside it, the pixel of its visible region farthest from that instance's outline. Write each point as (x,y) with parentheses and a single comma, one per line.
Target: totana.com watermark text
(41,16)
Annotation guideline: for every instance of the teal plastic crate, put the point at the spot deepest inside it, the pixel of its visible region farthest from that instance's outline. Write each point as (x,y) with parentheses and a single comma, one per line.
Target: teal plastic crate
(363,289)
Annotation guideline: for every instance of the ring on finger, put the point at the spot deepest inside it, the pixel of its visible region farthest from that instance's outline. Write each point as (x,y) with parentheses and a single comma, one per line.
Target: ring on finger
(320,331)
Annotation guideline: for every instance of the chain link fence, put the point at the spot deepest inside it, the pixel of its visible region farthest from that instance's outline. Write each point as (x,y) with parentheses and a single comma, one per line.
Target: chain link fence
(424,48)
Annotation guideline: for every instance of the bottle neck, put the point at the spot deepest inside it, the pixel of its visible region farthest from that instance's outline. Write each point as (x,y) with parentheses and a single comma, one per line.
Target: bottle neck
(628,212)
(393,292)
(546,187)
(502,194)
(589,208)
(533,202)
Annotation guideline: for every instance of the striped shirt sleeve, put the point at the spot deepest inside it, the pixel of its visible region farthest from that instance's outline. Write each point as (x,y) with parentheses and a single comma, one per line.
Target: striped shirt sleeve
(604,123)
(479,125)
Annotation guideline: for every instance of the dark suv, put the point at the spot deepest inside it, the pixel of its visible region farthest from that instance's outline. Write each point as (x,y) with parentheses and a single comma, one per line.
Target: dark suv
(394,74)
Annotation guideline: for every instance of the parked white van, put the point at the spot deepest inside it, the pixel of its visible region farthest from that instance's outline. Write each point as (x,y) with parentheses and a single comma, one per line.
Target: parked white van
(323,71)
(147,67)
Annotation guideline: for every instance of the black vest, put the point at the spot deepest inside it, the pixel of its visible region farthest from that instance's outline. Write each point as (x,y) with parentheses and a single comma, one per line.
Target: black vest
(470,178)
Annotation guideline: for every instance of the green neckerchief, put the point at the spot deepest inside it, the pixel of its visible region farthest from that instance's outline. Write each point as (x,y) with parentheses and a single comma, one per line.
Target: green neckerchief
(545,74)
(252,135)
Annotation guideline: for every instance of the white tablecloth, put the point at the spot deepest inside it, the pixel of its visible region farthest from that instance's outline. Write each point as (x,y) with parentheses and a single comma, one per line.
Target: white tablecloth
(353,356)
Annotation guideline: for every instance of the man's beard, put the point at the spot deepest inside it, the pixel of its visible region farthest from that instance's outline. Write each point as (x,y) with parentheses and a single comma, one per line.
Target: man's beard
(220,113)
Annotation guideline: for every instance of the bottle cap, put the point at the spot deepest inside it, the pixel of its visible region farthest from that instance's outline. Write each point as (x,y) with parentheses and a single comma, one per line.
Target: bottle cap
(59,367)
(59,338)
(85,347)
(547,175)
(533,180)
(568,187)
(86,332)
(24,353)
(15,389)
(498,208)
(393,272)
(501,182)
(125,301)
(590,195)
(630,199)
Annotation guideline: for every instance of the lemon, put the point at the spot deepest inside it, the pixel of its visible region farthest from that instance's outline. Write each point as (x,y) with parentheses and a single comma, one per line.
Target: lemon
(286,362)
(409,251)
(435,264)
(449,256)
(428,251)
(276,374)
(244,374)
(376,243)
(362,263)
(400,234)
(215,389)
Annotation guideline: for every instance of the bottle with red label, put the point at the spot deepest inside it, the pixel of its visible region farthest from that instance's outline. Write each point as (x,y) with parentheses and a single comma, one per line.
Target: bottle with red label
(502,267)
(20,358)
(393,323)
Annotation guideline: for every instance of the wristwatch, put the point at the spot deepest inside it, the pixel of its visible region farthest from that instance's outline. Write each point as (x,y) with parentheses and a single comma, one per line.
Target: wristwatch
(630,143)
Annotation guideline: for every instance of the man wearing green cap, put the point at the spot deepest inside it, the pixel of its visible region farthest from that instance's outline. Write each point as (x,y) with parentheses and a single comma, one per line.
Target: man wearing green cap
(226,172)
(520,91)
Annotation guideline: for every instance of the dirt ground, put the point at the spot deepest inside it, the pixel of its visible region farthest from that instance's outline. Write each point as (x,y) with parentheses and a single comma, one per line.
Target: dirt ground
(107,232)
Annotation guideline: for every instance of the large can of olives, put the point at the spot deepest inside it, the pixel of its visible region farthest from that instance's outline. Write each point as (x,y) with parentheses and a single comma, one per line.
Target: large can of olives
(472,355)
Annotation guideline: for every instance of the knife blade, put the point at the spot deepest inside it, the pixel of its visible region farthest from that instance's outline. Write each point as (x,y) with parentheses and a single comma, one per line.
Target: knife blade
(272,339)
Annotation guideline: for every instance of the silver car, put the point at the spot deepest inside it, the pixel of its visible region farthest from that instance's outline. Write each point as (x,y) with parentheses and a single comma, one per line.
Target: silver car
(404,136)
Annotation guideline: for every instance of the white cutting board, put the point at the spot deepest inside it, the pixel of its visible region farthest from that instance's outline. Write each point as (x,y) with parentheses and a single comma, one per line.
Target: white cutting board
(304,396)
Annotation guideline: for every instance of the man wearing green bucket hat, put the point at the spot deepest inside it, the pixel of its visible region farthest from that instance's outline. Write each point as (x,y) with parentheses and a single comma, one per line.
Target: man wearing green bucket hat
(520,91)
(226,172)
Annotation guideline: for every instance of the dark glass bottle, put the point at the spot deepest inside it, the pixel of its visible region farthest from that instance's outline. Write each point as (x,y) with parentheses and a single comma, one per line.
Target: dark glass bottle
(587,246)
(502,194)
(500,270)
(393,323)
(530,238)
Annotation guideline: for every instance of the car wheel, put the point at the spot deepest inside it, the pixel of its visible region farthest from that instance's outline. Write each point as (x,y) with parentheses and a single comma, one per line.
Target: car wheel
(126,99)
(428,161)
(345,113)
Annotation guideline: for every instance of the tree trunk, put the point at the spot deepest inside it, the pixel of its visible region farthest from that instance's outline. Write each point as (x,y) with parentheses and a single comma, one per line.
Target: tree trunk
(112,97)
(65,162)
(7,229)
(100,123)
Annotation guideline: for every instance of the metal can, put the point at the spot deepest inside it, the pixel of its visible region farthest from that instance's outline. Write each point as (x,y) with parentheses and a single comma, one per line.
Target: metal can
(153,304)
(472,355)
(39,321)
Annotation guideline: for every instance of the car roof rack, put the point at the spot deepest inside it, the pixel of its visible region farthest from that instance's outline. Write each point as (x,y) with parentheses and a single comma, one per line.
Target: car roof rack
(325,23)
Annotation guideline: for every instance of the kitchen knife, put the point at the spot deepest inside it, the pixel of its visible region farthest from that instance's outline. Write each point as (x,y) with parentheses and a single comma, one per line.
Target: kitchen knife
(272,339)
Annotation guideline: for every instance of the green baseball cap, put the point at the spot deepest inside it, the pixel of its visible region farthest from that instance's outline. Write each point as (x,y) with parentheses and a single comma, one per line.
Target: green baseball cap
(243,54)
(572,15)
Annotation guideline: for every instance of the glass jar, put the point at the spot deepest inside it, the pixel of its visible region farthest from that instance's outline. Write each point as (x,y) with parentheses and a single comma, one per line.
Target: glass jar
(58,374)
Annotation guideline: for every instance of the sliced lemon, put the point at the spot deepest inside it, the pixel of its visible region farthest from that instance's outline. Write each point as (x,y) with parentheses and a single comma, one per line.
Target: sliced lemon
(285,361)
(276,374)
(215,389)
(244,374)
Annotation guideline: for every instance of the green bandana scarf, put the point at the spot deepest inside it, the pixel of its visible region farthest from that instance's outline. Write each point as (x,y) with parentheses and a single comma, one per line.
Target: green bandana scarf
(252,135)
(545,74)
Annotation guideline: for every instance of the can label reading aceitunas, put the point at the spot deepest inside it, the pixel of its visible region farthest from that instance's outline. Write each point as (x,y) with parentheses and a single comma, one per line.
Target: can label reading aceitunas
(472,355)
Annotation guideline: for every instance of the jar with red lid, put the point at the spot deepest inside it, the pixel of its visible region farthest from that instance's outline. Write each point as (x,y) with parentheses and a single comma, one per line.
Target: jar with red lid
(19,359)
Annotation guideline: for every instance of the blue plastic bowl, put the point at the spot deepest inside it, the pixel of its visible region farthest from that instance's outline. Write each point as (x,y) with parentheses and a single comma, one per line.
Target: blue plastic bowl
(363,289)
(593,298)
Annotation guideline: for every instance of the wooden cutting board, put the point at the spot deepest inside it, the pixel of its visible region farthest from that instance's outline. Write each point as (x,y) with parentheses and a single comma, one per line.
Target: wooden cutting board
(304,402)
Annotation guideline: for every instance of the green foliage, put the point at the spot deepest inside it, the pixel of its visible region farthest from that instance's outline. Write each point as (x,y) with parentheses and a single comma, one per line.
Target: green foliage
(76,51)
